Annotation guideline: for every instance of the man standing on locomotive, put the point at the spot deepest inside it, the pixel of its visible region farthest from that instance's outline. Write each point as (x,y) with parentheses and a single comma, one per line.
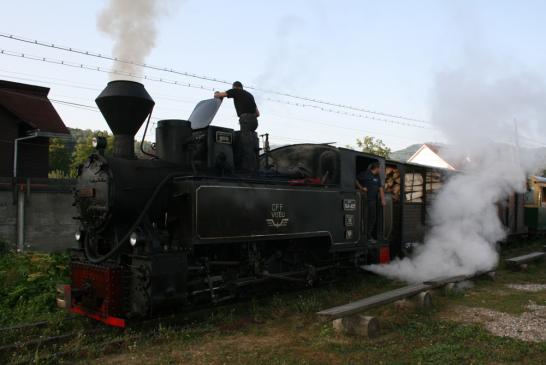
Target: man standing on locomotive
(369,182)
(245,106)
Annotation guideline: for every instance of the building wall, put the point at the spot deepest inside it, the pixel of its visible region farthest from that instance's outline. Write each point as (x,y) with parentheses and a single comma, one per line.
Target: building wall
(33,159)
(8,217)
(8,132)
(49,223)
(429,158)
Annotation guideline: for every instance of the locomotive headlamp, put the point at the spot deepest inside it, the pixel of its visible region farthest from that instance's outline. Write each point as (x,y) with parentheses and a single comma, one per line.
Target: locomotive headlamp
(99,143)
(79,235)
(133,239)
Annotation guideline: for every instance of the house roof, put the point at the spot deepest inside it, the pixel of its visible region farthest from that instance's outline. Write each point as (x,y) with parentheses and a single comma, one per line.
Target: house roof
(29,103)
(440,152)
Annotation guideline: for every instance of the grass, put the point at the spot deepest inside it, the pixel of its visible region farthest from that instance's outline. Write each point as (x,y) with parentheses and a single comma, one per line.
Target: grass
(27,285)
(282,328)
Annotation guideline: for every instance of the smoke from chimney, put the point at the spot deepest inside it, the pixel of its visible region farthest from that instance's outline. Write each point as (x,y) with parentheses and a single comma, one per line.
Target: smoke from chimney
(132,25)
(476,106)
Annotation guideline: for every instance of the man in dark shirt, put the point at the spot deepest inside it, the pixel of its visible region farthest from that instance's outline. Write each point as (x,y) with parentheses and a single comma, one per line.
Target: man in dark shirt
(369,182)
(245,106)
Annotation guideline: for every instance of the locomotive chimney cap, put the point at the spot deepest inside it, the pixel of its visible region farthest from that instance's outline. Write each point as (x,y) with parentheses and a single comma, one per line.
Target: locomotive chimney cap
(125,105)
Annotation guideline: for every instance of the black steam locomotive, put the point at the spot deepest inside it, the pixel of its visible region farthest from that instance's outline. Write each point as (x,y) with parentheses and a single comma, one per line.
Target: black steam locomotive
(208,214)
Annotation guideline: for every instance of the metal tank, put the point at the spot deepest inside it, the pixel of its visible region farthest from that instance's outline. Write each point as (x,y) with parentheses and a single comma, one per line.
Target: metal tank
(172,137)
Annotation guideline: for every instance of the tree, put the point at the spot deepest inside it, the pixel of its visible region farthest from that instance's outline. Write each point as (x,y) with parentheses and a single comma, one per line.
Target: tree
(84,147)
(59,156)
(374,146)
(147,147)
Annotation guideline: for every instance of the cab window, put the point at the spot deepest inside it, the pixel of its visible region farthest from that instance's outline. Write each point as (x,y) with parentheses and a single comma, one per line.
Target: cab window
(530,196)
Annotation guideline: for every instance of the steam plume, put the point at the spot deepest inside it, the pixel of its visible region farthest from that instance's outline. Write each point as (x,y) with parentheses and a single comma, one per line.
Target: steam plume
(132,24)
(290,61)
(476,111)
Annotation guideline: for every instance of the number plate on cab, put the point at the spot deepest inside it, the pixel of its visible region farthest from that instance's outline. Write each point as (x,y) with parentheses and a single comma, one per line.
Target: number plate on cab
(349,204)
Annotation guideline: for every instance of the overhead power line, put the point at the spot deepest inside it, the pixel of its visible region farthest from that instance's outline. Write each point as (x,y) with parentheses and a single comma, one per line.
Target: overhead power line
(543,144)
(96,109)
(276,137)
(198,86)
(204,77)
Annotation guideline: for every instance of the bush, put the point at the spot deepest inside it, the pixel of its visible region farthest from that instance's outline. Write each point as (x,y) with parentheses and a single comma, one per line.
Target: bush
(27,284)
(4,248)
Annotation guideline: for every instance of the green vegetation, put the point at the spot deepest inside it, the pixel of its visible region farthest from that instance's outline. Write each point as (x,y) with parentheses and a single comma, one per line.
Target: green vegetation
(283,329)
(66,156)
(374,146)
(84,147)
(278,326)
(27,285)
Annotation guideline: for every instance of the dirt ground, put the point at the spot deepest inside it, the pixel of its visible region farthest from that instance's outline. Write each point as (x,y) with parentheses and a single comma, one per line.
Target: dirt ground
(490,322)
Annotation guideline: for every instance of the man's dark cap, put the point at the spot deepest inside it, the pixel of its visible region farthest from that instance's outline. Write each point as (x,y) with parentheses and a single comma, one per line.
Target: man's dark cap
(238,84)
(373,166)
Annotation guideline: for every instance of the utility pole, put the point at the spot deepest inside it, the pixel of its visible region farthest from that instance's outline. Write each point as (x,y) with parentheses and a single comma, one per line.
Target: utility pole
(516,141)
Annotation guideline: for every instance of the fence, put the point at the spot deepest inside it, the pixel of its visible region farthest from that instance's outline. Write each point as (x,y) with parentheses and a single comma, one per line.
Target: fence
(37,214)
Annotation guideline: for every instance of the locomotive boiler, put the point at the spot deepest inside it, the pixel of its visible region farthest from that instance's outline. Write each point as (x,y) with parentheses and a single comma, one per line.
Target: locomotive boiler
(206,214)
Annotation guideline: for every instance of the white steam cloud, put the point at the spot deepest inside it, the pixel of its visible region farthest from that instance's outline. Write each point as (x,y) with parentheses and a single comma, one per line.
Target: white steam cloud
(291,60)
(476,111)
(288,56)
(132,25)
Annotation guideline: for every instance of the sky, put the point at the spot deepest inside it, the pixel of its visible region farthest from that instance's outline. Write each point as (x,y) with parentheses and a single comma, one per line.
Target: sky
(381,56)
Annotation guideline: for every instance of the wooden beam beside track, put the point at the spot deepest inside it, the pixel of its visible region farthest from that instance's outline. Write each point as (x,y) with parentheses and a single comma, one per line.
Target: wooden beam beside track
(373,301)
(523,260)
(389,297)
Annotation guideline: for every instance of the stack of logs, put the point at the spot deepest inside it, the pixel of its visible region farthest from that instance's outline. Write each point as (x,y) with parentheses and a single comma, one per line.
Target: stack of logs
(392,182)
(413,182)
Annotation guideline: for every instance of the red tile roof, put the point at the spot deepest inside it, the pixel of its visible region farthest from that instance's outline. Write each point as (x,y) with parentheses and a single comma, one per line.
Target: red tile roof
(30,104)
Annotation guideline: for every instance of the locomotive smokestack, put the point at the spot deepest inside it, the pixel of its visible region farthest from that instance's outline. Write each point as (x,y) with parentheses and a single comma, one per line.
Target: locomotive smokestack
(125,106)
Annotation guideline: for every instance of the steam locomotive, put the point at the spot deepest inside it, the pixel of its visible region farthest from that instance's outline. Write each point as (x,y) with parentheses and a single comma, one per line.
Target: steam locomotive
(207,215)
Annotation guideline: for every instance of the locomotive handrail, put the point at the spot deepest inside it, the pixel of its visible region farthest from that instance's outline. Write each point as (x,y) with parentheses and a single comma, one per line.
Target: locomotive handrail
(388,217)
(252,180)
(119,244)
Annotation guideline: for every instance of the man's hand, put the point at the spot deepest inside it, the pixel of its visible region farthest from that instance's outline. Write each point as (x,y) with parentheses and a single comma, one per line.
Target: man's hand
(219,94)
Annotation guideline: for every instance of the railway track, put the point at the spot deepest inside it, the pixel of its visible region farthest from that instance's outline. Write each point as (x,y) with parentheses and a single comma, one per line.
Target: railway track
(24,326)
(22,348)
(29,339)
(101,339)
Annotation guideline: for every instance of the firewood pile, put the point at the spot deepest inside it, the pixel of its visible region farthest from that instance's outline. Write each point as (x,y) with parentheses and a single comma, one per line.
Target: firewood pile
(413,183)
(392,182)
(434,182)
